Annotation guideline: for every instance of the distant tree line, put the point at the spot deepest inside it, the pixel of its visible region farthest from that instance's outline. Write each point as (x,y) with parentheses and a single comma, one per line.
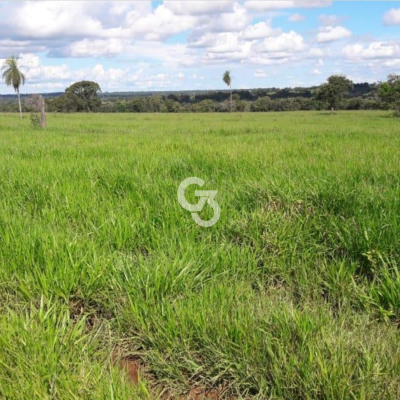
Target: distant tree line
(338,93)
(363,96)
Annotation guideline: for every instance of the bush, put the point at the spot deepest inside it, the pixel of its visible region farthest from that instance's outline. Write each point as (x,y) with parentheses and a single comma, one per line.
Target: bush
(35,120)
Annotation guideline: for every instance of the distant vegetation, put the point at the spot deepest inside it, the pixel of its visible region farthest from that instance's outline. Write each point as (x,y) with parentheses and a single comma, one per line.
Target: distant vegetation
(363,96)
(333,91)
(338,93)
(389,93)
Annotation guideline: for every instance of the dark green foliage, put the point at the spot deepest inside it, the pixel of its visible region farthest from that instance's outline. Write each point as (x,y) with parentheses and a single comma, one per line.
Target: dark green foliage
(86,95)
(68,102)
(363,96)
(333,92)
(389,92)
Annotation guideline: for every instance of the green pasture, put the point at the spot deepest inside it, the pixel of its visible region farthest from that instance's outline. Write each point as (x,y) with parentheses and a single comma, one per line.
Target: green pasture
(294,294)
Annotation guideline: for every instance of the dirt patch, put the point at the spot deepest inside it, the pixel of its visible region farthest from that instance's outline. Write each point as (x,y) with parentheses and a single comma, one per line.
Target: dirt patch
(130,365)
(200,393)
(203,394)
(135,370)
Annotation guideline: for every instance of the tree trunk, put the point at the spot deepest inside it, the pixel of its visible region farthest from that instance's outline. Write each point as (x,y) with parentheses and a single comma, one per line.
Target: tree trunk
(19,103)
(230,87)
(332,111)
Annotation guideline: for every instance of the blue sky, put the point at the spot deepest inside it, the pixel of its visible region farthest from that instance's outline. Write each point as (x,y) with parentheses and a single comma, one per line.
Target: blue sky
(185,45)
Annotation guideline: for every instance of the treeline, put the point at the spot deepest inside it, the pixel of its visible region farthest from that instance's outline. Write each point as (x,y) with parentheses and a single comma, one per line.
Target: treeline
(362,96)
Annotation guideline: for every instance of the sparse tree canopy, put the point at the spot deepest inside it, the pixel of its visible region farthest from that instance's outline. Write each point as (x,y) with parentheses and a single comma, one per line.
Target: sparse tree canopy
(12,76)
(86,94)
(227,78)
(389,93)
(228,82)
(333,91)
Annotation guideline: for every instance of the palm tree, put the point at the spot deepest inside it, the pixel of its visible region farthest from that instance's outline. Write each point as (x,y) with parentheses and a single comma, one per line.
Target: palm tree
(228,80)
(12,76)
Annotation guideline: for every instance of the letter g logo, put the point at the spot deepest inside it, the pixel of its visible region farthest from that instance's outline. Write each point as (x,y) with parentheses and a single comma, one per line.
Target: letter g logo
(206,196)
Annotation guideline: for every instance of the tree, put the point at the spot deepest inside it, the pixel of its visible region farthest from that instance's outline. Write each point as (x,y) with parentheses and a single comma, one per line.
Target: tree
(68,102)
(138,105)
(389,93)
(262,104)
(12,76)
(87,94)
(206,106)
(228,82)
(333,91)
(172,106)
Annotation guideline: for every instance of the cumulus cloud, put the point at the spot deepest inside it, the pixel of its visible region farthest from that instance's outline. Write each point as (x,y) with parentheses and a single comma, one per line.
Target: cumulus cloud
(162,23)
(392,17)
(375,50)
(278,4)
(225,43)
(199,7)
(257,44)
(316,52)
(233,21)
(49,19)
(94,48)
(332,33)
(58,77)
(284,43)
(10,46)
(149,43)
(259,30)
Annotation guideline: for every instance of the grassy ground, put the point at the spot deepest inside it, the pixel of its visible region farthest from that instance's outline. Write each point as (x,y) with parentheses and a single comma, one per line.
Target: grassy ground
(293,294)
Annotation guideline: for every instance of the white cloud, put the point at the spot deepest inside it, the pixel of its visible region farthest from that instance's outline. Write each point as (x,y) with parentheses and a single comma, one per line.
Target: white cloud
(316,52)
(149,43)
(375,50)
(29,61)
(266,59)
(199,7)
(234,21)
(35,71)
(278,4)
(46,77)
(95,48)
(40,19)
(392,17)
(122,7)
(160,24)
(225,43)
(331,33)
(260,30)
(395,62)
(296,18)
(316,71)
(285,42)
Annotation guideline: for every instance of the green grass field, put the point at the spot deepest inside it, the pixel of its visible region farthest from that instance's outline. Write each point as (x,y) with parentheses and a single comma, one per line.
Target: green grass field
(293,294)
